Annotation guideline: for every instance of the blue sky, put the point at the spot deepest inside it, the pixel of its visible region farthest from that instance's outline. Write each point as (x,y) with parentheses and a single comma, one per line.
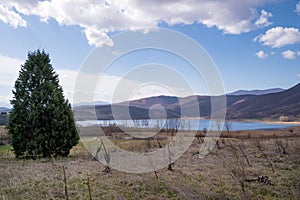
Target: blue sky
(254,44)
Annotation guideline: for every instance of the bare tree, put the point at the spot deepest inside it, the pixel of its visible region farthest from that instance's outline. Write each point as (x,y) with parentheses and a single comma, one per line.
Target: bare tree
(159,123)
(145,122)
(228,126)
(218,124)
(172,125)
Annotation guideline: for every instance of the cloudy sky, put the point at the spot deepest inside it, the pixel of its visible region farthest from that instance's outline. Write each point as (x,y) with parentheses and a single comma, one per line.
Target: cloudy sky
(255,44)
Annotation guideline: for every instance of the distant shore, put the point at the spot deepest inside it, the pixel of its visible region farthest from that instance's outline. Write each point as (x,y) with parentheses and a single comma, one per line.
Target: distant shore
(267,121)
(279,122)
(247,120)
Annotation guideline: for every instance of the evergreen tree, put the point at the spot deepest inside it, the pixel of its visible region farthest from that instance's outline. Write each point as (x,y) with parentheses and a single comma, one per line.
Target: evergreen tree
(41,122)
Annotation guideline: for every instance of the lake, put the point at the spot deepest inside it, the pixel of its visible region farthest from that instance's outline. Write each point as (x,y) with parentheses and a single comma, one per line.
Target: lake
(186,124)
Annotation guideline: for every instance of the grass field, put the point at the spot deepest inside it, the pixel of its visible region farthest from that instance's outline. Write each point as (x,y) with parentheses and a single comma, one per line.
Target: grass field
(230,171)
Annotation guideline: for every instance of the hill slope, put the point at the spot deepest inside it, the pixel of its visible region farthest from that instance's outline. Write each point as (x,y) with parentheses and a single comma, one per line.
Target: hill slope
(271,106)
(285,103)
(256,92)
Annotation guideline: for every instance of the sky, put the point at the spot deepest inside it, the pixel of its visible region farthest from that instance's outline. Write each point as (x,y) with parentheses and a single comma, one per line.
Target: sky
(254,44)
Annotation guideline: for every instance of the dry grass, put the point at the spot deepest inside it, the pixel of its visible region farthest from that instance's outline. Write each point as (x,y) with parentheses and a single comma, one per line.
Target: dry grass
(223,174)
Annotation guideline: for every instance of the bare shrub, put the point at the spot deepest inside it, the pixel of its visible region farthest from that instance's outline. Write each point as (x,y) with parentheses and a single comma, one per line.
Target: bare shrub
(223,140)
(238,173)
(204,131)
(269,162)
(171,163)
(240,147)
(217,143)
(200,136)
(4,138)
(248,135)
(237,164)
(281,146)
(259,144)
(107,156)
(65,183)
(218,124)
(89,187)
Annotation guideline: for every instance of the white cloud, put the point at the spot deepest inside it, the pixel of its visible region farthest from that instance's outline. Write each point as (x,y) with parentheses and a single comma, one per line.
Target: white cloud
(84,93)
(4,100)
(288,54)
(278,37)
(98,18)
(67,80)
(298,75)
(263,20)
(261,54)
(9,68)
(109,88)
(11,17)
(298,8)
(104,91)
(97,37)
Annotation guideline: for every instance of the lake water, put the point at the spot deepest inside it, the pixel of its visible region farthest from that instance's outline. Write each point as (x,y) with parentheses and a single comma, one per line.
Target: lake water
(187,124)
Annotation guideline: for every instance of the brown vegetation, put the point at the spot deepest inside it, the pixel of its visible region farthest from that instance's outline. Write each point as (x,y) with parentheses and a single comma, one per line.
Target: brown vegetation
(248,165)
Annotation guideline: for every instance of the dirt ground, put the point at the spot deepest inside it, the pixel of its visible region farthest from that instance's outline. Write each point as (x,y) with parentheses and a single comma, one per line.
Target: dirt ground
(243,165)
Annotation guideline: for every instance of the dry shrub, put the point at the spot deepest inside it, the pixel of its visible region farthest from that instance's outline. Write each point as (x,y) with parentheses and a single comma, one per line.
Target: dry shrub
(281,146)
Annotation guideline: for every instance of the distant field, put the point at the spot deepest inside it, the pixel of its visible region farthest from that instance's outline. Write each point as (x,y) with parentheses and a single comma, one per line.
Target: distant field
(229,172)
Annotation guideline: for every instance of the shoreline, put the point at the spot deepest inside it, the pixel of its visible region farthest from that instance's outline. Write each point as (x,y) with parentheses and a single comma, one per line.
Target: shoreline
(230,120)
(269,121)
(247,120)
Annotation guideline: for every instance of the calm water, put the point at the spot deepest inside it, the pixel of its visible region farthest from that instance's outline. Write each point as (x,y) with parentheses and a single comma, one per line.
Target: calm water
(188,124)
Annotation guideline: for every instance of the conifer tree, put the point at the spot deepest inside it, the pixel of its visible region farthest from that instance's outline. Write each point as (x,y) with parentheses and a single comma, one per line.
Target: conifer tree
(41,122)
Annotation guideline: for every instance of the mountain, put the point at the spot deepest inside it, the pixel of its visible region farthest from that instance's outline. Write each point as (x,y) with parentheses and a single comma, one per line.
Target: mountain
(256,92)
(90,103)
(116,111)
(4,109)
(271,106)
(150,101)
